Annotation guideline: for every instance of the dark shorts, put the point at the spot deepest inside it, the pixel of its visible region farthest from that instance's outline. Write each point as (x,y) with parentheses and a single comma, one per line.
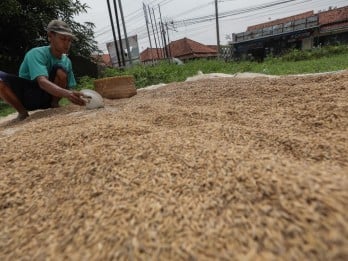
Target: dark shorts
(29,92)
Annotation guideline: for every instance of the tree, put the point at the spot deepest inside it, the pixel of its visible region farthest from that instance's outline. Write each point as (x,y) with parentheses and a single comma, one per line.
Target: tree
(23,26)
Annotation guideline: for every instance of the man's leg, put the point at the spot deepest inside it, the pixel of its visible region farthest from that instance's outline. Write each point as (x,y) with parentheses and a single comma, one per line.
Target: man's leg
(60,79)
(8,96)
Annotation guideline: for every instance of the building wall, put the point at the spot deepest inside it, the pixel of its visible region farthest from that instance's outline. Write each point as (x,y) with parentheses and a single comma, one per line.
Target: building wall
(281,21)
(332,16)
(333,27)
(308,29)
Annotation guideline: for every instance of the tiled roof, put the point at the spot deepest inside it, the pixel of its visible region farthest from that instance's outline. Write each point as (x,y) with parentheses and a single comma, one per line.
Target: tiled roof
(103,59)
(213,47)
(187,48)
(183,49)
(151,54)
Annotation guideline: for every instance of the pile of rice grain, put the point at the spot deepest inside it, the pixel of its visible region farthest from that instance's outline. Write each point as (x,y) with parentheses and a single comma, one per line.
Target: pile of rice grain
(229,169)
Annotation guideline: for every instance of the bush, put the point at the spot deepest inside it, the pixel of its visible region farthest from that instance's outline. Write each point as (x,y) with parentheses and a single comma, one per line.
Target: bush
(315,53)
(85,82)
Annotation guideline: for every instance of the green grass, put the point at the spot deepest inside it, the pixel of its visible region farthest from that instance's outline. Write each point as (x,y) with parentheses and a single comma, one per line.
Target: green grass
(332,58)
(326,59)
(5,109)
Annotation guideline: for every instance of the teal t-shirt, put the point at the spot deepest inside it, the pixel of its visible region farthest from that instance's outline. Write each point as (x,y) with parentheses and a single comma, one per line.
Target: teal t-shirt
(39,62)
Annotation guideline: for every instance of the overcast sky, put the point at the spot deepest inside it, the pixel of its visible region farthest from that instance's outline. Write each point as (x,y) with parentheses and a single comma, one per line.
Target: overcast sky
(238,15)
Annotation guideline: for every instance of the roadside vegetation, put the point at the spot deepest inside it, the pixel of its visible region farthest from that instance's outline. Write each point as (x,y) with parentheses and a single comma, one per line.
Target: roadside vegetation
(331,58)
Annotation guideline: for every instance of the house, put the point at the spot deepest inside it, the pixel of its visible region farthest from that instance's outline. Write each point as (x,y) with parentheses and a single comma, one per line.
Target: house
(152,54)
(302,31)
(187,49)
(103,59)
(333,27)
(215,47)
(183,49)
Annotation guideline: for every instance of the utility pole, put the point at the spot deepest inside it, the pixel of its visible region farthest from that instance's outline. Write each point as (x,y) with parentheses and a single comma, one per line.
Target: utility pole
(217,27)
(163,33)
(169,49)
(119,34)
(153,32)
(125,33)
(161,39)
(148,31)
(114,35)
(158,37)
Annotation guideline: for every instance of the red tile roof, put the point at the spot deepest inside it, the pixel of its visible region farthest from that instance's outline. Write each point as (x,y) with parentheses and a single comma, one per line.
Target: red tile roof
(186,48)
(213,47)
(151,54)
(183,49)
(103,59)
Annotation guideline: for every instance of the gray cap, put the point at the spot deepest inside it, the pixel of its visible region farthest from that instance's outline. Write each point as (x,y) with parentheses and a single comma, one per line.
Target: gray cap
(58,26)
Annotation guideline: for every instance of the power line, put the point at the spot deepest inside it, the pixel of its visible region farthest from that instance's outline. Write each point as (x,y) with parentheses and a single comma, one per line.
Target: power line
(268,11)
(137,25)
(207,18)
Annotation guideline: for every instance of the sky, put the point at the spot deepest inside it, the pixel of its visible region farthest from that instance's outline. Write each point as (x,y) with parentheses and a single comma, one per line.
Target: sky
(235,17)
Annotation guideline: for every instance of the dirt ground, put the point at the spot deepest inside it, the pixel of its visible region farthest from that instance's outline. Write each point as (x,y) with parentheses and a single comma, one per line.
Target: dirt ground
(216,169)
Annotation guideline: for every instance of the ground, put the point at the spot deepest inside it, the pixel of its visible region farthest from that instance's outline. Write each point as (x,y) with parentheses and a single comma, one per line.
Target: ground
(220,169)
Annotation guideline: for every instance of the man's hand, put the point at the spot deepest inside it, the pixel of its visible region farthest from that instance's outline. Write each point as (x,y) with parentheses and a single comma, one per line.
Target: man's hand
(76,98)
(57,91)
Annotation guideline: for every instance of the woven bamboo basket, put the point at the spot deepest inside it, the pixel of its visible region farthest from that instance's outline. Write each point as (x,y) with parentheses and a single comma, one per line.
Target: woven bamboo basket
(117,87)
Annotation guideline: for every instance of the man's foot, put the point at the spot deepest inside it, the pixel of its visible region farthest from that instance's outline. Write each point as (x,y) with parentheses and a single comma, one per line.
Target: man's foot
(22,116)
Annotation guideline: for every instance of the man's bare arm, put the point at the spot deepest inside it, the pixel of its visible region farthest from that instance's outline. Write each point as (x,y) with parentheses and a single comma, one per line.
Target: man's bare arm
(55,90)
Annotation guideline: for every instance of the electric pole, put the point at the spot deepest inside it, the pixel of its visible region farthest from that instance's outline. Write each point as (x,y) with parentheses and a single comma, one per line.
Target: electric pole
(153,32)
(217,27)
(148,31)
(158,37)
(163,33)
(125,33)
(169,48)
(114,34)
(119,34)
